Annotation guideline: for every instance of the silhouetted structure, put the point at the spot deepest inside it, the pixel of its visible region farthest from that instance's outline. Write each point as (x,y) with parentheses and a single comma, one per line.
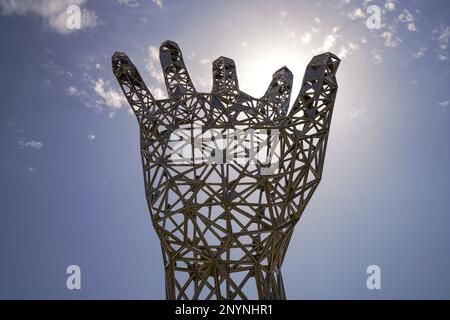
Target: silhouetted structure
(225,227)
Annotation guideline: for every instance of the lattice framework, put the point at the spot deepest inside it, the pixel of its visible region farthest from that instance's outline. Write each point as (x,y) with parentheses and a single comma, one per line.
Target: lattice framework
(225,228)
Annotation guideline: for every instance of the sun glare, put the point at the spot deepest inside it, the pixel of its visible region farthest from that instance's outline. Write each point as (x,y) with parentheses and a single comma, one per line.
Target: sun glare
(257,65)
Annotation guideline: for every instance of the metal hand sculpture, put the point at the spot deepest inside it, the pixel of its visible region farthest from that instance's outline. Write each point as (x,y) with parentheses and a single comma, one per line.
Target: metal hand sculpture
(225,227)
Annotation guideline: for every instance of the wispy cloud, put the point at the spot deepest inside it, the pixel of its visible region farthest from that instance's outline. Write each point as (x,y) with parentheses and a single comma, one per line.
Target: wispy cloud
(130,3)
(84,98)
(284,14)
(443,114)
(389,6)
(329,40)
(33,144)
(376,56)
(55,68)
(390,38)
(357,13)
(406,17)
(443,36)
(109,96)
(204,61)
(357,113)
(73,91)
(420,53)
(157,92)
(443,103)
(53,13)
(412,26)
(306,38)
(348,49)
(159,3)
(152,61)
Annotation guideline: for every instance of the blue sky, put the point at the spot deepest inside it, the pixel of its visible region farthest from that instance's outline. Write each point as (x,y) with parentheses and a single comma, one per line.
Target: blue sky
(71,181)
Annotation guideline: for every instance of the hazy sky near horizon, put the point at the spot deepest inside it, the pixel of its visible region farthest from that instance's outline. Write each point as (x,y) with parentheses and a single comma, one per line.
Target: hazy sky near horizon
(71,181)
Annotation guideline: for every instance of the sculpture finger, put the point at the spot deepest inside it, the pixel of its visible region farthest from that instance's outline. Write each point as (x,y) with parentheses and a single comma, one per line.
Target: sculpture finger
(318,92)
(224,76)
(176,76)
(275,102)
(133,87)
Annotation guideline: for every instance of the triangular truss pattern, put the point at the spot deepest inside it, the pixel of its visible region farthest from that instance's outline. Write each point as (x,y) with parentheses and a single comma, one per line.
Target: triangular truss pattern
(225,227)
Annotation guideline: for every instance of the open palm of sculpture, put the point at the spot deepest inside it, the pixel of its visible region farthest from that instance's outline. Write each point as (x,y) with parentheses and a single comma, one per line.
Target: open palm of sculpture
(225,224)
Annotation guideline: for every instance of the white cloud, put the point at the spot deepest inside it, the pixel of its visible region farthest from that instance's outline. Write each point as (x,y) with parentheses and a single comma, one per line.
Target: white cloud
(343,52)
(389,6)
(376,56)
(129,3)
(156,74)
(74,91)
(91,136)
(350,48)
(191,56)
(443,103)
(329,40)
(390,39)
(158,93)
(306,38)
(442,57)
(51,12)
(159,3)
(135,3)
(353,46)
(317,20)
(406,17)
(204,61)
(55,68)
(244,44)
(151,62)
(419,53)
(284,14)
(412,26)
(356,14)
(356,113)
(203,85)
(110,97)
(33,144)
(84,98)
(443,35)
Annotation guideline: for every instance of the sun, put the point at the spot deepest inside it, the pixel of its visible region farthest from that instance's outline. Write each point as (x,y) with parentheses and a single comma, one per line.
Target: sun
(256,66)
